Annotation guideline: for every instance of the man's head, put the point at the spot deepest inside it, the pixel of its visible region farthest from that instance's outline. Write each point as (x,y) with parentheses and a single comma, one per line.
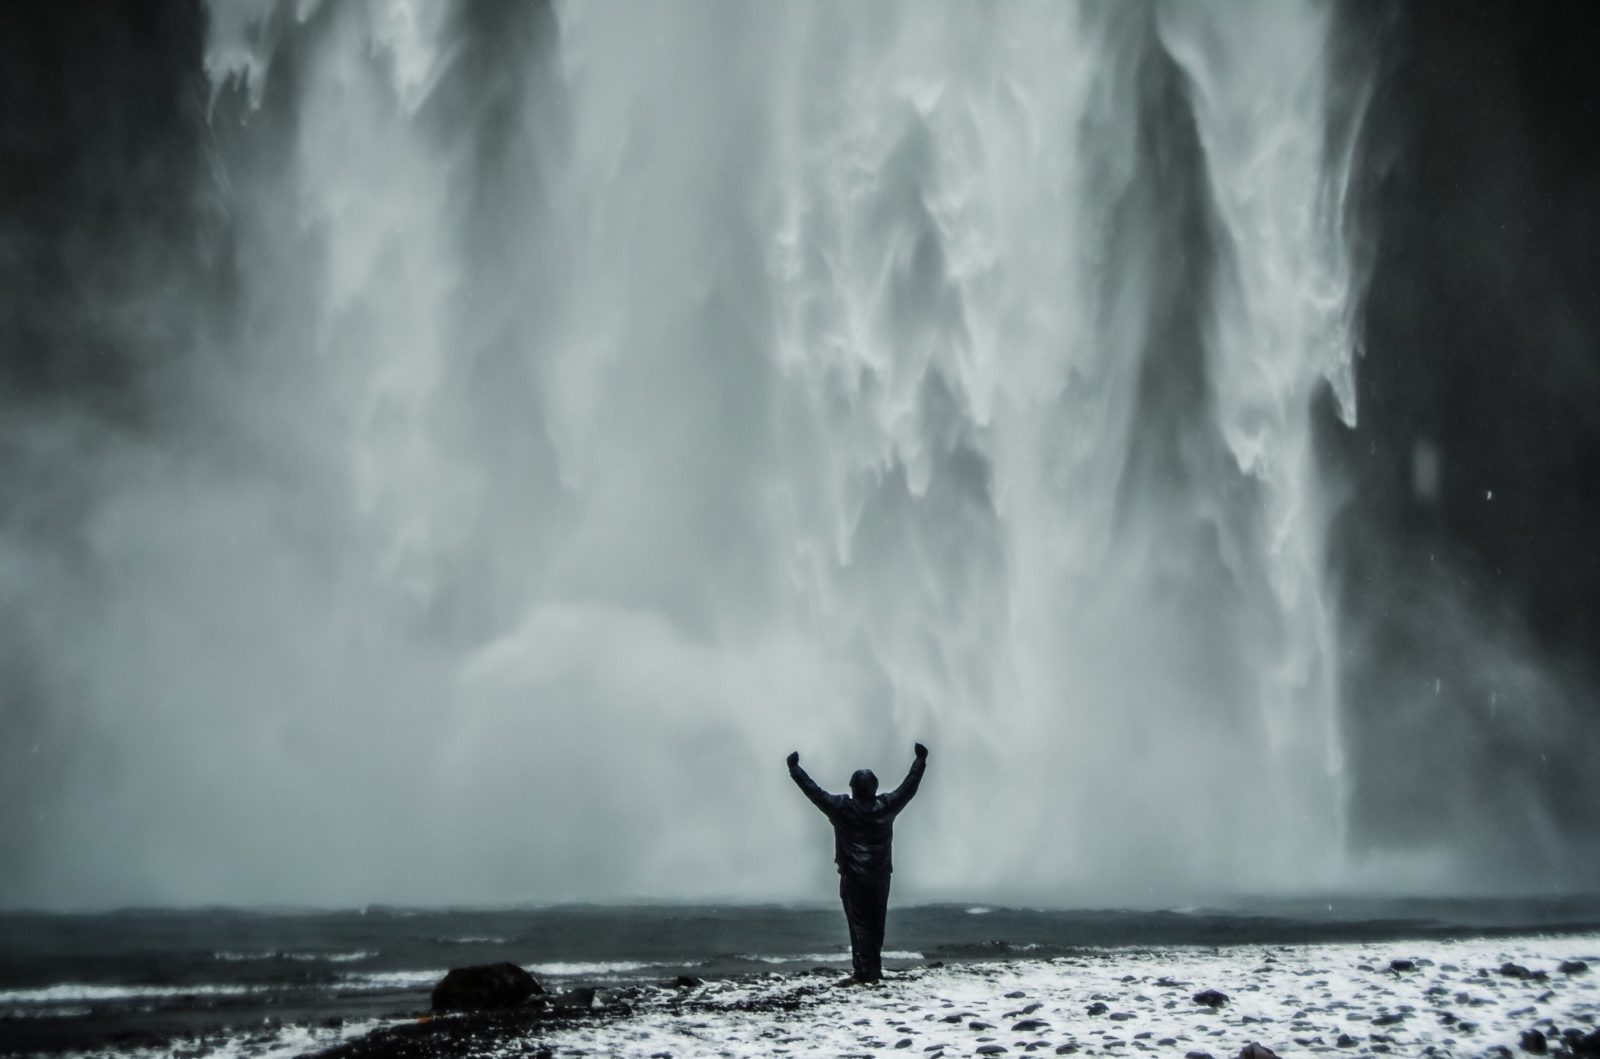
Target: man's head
(864,785)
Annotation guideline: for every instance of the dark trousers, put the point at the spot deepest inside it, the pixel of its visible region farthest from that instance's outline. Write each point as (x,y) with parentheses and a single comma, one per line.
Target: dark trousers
(866,904)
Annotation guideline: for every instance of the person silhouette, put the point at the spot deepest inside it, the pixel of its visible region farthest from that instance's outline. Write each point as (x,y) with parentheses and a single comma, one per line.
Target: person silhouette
(863,832)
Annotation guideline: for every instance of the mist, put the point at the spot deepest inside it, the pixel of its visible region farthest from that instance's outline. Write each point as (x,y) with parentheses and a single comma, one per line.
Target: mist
(455,452)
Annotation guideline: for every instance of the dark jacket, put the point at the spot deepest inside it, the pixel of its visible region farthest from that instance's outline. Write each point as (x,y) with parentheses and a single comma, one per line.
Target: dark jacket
(863,823)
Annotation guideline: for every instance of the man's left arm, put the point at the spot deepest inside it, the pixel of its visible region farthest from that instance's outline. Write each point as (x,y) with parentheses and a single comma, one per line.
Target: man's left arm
(907,790)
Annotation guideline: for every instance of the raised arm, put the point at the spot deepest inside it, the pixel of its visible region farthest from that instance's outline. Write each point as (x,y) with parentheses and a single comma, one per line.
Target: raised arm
(907,790)
(819,797)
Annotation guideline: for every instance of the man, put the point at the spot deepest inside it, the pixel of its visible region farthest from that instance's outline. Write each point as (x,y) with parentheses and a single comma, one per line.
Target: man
(863,830)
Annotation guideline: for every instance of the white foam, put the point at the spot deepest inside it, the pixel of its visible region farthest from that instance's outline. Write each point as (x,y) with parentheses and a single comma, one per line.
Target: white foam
(568,969)
(89,992)
(394,979)
(829,957)
(302,957)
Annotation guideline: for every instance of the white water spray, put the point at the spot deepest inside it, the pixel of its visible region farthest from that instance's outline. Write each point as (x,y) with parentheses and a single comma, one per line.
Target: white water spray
(624,395)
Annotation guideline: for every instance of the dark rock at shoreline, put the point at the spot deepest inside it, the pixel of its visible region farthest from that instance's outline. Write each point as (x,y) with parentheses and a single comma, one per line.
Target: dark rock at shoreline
(1572,967)
(1534,1041)
(1257,1050)
(1580,1043)
(1211,998)
(483,987)
(1402,965)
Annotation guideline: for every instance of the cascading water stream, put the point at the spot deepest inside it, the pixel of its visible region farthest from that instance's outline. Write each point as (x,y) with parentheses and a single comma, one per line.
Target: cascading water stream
(617,397)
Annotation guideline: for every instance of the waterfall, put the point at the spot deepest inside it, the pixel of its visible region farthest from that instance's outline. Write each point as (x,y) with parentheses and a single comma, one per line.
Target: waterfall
(611,398)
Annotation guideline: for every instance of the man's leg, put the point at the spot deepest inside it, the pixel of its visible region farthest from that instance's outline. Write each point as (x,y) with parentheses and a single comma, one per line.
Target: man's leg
(855,914)
(877,911)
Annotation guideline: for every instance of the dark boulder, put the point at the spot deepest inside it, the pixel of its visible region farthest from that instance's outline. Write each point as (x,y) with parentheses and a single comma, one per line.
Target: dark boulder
(1585,1044)
(1210,998)
(1513,970)
(1256,1050)
(1534,1042)
(1402,965)
(1572,967)
(489,985)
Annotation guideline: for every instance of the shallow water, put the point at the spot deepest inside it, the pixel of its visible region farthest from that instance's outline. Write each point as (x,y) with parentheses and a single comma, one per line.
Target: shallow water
(122,980)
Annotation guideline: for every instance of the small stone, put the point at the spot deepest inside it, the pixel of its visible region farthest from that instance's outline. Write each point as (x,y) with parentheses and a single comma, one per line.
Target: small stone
(1068,1049)
(980,1026)
(1533,1041)
(1211,998)
(1098,1008)
(991,1049)
(1256,1050)
(1402,965)
(1030,1026)
(1513,970)
(1015,994)
(1389,1018)
(1347,1041)
(903,1042)
(580,998)
(1572,967)
(1196,1054)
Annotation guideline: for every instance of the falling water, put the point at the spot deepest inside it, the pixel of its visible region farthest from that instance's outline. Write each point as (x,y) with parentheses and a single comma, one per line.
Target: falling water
(606,400)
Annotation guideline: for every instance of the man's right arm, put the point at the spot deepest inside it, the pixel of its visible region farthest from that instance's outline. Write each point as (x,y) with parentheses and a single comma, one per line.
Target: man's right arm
(819,797)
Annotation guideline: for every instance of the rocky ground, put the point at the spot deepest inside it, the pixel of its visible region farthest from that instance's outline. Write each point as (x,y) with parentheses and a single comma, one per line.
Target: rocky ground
(1438,998)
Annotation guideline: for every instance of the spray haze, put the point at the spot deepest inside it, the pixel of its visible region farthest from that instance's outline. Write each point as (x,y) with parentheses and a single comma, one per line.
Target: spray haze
(575,408)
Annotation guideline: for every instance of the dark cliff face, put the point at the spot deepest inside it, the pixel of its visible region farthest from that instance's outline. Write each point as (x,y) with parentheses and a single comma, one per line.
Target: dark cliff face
(1465,558)
(101,132)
